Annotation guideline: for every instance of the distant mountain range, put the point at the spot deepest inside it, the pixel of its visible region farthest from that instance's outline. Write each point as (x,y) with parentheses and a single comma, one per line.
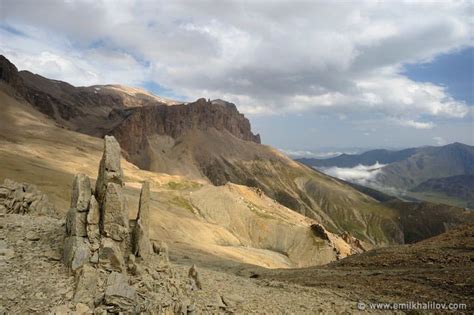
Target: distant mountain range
(441,174)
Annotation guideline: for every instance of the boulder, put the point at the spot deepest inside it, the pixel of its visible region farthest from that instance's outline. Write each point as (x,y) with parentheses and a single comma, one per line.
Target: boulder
(119,294)
(111,255)
(81,192)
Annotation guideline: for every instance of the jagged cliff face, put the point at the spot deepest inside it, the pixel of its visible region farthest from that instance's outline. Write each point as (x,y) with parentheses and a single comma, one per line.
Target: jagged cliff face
(138,124)
(131,114)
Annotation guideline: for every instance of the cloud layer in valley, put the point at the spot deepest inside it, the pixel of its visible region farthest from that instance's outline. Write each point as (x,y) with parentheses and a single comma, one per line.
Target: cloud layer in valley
(269,57)
(360,174)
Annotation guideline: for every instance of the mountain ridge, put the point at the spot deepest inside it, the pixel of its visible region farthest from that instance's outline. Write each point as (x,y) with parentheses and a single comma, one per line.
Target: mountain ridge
(211,141)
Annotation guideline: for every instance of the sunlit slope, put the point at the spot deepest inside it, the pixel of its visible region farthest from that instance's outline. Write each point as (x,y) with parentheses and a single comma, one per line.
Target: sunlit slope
(221,158)
(232,222)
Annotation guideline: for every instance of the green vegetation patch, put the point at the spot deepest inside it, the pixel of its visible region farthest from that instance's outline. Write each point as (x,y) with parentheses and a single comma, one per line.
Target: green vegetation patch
(183,203)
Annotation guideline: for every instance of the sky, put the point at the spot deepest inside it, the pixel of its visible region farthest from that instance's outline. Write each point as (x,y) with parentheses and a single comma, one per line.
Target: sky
(312,76)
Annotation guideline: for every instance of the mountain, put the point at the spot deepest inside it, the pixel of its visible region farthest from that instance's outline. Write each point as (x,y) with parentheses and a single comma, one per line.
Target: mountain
(220,207)
(367,158)
(413,173)
(429,162)
(457,187)
(205,141)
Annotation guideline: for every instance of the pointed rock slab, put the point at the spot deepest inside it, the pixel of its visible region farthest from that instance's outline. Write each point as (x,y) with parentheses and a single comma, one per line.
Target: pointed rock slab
(114,213)
(76,223)
(119,293)
(110,170)
(194,278)
(111,255)
(93,219)
(144,207)
(81,192)
(141,245)
(76,252)
(93,216)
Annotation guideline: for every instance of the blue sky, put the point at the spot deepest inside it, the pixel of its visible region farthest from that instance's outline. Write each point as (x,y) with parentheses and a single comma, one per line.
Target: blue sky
(454,70)
(310,76)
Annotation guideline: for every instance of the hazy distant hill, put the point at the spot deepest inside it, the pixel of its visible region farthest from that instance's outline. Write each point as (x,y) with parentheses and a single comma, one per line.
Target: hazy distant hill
(441,174)
(460,186)
(429,162)
(367,158)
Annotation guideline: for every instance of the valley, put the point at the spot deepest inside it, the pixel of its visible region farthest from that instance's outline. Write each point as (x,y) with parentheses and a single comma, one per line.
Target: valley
(267,234)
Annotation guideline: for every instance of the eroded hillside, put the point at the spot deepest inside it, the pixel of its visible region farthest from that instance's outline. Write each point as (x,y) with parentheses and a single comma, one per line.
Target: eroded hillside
(233,222)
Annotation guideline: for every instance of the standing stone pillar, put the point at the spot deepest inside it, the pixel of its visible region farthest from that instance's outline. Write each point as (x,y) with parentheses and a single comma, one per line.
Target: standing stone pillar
(113,218)
(141,245)
(76,246)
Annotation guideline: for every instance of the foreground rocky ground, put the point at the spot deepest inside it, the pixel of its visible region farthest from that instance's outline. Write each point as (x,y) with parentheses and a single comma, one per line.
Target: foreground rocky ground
(439,269)
(35,280)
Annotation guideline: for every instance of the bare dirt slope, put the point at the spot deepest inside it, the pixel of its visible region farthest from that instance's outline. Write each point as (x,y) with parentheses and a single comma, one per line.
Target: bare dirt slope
(437,269)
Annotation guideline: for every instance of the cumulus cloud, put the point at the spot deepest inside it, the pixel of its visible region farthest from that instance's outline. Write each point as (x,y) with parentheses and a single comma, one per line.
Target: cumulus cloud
(360,174)
(267,57)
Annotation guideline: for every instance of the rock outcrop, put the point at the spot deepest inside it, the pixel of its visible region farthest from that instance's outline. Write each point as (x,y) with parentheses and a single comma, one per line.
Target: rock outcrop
(22,198)
(108,255)
(177,120)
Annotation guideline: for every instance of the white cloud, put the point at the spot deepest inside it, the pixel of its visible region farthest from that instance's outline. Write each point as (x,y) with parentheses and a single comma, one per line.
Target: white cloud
(415,124)
(360,174)
(267,57)
(296,154)
(440,141)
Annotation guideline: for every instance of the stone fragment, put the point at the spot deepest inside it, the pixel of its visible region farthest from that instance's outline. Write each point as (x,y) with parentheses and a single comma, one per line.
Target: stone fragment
(194,278)
(109,169)
(94,258)
(23,198)
(114,213)
(86,285)
(320,231)
(111,255)
(232,300)
(217,302)
(93,235)
(144,207)
(76,252)
(76,223)
(141,245)
(119,293)
(93,216)
(163,257)
(82,309)
(6,253)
